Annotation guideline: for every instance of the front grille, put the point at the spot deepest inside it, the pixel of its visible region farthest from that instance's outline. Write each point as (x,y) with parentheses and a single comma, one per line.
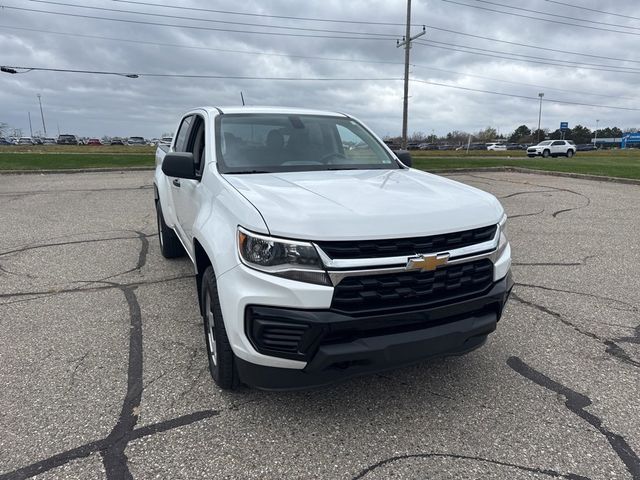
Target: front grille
(412,289)
(407,246)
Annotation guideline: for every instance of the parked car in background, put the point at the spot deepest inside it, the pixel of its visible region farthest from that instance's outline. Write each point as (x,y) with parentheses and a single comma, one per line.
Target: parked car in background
(586,147)
(165,141)
(67,139)
(116,141)
(136,141)
(552,148)
(4,141)
(477,146)
(48,141)
(25,141)
(497,147)
(94,141)
(513,146)
(428,146)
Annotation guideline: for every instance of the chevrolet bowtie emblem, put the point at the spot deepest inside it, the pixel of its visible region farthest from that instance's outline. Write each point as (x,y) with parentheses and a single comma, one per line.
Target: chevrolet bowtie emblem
(427,263)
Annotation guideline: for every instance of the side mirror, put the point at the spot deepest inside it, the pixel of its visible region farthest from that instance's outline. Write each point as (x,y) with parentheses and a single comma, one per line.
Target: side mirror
(404,156)
(180,165)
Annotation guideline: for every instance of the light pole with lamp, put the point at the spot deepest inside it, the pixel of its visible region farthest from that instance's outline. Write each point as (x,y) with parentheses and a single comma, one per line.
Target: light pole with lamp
(595,140)
(540,114)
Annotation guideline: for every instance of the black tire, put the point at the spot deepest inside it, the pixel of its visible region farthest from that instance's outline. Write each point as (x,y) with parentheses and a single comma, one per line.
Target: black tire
(170,245)
(570,153)
(546,154)
(219,353)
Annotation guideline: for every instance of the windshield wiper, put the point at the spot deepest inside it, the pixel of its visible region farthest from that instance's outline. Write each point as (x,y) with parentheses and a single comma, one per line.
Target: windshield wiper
(343,168)
(247,171)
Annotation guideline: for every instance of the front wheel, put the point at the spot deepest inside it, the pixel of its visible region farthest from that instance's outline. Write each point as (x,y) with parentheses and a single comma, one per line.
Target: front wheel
(170,245)
(219,354)
(546,154)
(569,153)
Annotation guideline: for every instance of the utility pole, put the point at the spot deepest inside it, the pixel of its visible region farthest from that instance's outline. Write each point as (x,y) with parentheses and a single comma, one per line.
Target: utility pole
(30,127)
(540,115)
(595,140)
(406,43)
(44,127)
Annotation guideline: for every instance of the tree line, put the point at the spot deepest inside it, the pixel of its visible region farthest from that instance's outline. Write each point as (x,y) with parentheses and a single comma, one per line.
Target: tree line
(522,134)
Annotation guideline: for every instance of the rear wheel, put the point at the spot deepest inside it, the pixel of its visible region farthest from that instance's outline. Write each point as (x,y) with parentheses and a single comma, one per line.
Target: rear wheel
(219,354)
(569,153)
(546,154)
(170,245)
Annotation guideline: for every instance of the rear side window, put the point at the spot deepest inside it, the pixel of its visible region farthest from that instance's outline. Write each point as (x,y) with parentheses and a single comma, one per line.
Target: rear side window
(183,134)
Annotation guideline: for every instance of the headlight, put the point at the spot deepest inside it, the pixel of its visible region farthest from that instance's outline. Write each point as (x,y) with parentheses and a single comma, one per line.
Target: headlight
(502,225)
(285,258)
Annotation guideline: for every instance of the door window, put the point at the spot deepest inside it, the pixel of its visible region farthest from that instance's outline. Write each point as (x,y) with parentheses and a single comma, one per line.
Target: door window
(183,134)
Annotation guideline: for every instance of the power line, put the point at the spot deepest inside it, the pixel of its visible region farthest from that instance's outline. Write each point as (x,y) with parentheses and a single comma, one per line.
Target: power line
(332,59)
(525,60)
(192,27)
(536,98)
(536,57)
(6,68)
(528,45)
(262,15)
(558,22)
(512,82)
(593,10)
(522,9)
(226,22)
(194,47)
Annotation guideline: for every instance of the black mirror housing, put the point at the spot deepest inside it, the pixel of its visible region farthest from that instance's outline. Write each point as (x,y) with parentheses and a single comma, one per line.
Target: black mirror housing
(180,165)
(404,156)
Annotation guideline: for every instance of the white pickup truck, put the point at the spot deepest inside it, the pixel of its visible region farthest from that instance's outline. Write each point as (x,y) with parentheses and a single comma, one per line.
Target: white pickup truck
(319,253)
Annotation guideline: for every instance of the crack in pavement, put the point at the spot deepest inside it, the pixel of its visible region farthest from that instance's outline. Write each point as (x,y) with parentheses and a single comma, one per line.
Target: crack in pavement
(612,349)
(73,190)
(75,242)
(87,449)
(630,306)
(576,403)
(540,471)
(45,293)
(112,448)
(552,188)
(526,214)
(555,264)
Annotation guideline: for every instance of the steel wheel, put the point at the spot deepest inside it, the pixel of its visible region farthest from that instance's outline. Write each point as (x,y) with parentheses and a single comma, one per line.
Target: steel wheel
(210,329)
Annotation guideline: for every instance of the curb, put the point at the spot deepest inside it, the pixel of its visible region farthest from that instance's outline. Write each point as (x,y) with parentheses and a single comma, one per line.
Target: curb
(580,176)
(75,170)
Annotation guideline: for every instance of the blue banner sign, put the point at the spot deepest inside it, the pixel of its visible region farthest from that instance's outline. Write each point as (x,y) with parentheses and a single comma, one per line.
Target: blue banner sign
(564,125)
(630,138)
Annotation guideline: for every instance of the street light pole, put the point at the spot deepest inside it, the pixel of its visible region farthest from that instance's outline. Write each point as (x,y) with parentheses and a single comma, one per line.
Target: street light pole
(540,114)
(44,127)
(595,140)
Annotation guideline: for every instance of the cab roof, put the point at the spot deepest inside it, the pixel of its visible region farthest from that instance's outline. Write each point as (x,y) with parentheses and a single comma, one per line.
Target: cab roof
(277,110)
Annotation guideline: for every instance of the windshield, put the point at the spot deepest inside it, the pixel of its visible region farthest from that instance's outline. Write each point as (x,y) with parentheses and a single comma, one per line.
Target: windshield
(546,142)
(261,143)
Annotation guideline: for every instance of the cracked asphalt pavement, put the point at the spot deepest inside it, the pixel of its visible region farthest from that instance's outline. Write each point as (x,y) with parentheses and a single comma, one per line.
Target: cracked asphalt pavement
(104,372)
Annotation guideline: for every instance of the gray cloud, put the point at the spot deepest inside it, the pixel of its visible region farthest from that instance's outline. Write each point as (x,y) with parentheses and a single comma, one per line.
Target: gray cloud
(109,105)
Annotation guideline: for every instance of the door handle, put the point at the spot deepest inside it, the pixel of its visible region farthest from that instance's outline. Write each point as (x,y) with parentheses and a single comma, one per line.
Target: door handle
(176,182)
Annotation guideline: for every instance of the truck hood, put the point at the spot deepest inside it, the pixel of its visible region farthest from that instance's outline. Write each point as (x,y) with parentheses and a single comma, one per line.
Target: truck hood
(365,204)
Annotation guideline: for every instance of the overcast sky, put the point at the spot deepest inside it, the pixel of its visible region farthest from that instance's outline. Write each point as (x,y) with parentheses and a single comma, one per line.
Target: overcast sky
(96,105)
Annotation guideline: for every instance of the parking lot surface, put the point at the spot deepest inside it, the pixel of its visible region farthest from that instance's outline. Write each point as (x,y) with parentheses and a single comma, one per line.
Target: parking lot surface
(104,371)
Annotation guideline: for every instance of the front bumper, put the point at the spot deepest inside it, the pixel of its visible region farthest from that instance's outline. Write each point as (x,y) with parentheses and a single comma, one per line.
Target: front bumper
(340,346)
